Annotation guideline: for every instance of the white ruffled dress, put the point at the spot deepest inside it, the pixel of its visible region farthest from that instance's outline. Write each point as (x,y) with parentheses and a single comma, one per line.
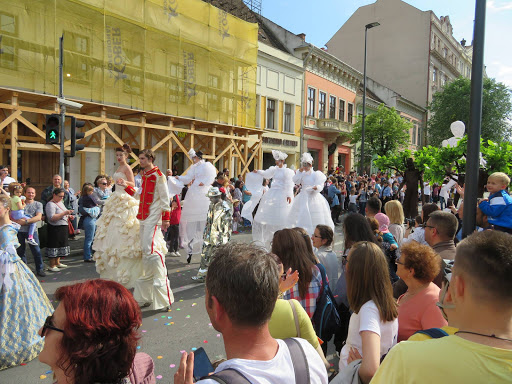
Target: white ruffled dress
(195,205)
(116,243)
(310,208)
(273,211)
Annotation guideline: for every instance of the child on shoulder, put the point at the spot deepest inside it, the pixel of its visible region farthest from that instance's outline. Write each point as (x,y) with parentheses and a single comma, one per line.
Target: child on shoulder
(18,209)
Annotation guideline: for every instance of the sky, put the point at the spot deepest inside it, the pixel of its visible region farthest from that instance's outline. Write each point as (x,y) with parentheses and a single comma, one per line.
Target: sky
(321,19)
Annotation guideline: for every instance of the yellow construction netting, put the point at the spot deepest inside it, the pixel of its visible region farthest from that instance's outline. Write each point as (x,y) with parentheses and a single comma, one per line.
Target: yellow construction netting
(181,57)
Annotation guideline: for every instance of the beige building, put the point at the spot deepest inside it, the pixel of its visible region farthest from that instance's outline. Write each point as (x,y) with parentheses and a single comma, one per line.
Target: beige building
(413,52)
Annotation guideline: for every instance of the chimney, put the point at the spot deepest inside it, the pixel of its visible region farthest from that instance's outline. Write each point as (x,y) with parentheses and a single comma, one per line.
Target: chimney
(302,36)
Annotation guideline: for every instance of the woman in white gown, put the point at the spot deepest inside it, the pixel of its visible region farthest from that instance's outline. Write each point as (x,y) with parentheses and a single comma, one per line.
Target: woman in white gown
(275,205)
(117,240)
(310,208)
(195,206)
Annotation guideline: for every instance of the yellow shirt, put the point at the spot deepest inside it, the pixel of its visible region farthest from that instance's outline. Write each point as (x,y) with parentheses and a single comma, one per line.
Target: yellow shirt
(282,323)
(450,359)
(14,203)
(422,336)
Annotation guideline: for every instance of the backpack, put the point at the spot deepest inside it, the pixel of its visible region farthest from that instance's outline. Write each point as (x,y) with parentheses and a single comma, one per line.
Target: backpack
(299,362)
(326,319)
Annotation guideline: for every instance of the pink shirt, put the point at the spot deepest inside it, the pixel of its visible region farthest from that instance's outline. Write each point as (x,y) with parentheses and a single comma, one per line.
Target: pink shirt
(419,312)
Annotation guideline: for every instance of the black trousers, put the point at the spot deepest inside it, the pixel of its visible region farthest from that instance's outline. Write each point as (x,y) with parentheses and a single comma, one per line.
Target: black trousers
(173,238)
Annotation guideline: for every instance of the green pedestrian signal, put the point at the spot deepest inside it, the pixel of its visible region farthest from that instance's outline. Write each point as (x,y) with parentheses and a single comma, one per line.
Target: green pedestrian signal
(52,129)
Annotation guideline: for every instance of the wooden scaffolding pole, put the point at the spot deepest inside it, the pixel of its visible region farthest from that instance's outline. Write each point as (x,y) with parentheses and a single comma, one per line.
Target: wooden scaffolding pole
(102,144)
(14,139)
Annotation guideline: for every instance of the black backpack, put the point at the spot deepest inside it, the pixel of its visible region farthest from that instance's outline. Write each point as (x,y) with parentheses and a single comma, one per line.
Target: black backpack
(326,319)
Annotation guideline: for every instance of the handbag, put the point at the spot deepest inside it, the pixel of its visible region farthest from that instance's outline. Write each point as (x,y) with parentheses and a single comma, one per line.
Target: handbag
(295,318)
(71,229)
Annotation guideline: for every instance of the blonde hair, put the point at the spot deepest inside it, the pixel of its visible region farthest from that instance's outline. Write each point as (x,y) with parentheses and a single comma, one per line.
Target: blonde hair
(500,176)
(395,212)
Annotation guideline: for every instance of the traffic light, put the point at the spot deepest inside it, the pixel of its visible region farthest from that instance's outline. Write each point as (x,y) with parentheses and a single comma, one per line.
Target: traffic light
(76,136)
(53,129)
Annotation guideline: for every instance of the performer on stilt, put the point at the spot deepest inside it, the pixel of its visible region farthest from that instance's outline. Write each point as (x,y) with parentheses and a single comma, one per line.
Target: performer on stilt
(217,231)
(152,288)
(309,208)
(274,208)
(195,205)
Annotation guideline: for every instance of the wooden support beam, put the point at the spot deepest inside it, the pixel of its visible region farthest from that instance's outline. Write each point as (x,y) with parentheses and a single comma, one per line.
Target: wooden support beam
(83,160)
(254,153)
(222,153)
(240,156)
(230,155)
(102,144)
(13,116)
(192,136)
(214,142)
(142,142)
(32,127)
(170,146)
(119,141)
(14,139)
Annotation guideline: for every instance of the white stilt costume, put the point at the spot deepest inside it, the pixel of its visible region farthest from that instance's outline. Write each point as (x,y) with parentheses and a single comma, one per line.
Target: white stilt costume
(196,204)
(274,209)
(309,207)
(153,286)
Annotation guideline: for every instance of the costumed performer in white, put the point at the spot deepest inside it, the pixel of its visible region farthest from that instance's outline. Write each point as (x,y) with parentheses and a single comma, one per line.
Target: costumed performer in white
(309,208)
(254,184)
(275,205)
(116,243)
(196,203)
(152,287)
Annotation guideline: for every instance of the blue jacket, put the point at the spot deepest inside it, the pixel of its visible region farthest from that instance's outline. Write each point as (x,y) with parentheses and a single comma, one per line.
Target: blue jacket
(498,209)
(333,192)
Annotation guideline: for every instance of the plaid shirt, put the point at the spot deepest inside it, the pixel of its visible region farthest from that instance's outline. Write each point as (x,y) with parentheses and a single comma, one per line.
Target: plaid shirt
(314,290)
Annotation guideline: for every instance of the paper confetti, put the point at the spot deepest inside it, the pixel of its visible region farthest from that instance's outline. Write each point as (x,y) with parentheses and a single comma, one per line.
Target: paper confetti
(155,319)
(169,317)
(42,377)
(182,351)
(172,322)
(159,377)
(218,334)
(167,323)
(205,341)
(194,349)
(138,346)
(187,317)
(172,365)
(48,372)
(181,300)
(194,304)
(143,331)
(159,357)
(163,316)
(178,309)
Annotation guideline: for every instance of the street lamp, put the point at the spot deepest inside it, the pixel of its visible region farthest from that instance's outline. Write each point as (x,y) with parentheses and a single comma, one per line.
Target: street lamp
(366,28)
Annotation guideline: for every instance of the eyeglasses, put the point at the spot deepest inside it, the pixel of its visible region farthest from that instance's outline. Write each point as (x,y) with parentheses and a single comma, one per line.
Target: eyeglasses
(48,325)
(103,183)
(399,262)
(428,226)
(61,196)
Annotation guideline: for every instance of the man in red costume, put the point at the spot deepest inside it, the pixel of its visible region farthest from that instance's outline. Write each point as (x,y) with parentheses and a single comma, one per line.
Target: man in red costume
(153,287)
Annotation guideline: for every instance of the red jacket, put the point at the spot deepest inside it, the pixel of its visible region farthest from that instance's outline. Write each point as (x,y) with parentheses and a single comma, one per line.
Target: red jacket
(176,213)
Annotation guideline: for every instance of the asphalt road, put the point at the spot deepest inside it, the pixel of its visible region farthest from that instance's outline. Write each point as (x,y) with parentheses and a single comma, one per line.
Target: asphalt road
(163,334)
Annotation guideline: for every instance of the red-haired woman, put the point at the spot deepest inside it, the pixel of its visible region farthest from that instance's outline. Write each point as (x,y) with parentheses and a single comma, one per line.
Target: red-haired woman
(92,335)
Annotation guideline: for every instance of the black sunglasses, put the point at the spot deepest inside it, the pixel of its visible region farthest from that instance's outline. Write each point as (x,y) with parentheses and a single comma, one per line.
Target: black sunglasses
(48,325)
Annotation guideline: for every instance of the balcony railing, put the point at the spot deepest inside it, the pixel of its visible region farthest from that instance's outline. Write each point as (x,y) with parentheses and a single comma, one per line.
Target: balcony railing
(332,125)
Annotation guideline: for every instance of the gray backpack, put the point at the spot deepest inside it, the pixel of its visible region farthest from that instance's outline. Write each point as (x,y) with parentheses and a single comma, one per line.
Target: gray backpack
(299,361)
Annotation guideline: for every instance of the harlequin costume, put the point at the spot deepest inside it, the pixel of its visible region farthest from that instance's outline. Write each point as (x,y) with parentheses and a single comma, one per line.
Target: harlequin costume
(152,288)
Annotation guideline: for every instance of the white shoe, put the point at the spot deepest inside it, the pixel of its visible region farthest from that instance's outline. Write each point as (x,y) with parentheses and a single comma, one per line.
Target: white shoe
(175,254)
(32,242)
(62,266)
(54,269)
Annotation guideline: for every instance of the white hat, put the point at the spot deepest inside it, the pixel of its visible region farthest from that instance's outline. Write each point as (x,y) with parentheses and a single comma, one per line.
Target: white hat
(306,158)
(213,191)
(278,155)
(192,153)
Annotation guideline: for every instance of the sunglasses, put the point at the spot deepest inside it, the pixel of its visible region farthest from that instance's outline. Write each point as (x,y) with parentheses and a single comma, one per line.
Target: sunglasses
(48,325)
(103,183)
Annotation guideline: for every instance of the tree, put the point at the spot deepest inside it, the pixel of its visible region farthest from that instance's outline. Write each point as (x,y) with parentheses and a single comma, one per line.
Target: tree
(385,132)
(452,103)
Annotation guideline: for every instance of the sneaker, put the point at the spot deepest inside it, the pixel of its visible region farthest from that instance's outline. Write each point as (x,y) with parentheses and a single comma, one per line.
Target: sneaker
(54,269)
(41,273)
(31,241)
(62,266)
(88,261)
(198,279)
(175,254)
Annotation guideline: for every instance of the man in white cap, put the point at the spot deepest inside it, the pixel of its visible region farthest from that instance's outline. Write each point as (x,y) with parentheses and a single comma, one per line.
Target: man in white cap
(195,206)
(274,209)
(219,223)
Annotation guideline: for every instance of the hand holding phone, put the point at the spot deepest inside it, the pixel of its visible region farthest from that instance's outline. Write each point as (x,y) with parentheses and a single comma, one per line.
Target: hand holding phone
(202,365)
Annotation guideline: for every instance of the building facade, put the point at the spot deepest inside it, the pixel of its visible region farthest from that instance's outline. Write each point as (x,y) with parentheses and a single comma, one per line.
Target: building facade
(330,90)
(412,52)
(278,103)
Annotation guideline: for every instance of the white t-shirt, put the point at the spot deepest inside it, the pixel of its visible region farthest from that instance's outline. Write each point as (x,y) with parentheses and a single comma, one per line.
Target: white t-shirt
(426,188)
(353,199)
(278,370)
(368,319)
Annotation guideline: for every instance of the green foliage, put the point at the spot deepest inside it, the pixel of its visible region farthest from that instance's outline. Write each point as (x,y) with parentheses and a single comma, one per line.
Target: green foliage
(452,103)
(397,163)
(498,157)
(385,132)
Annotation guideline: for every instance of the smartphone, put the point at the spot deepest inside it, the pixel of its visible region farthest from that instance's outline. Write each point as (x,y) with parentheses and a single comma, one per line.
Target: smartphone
(202,364)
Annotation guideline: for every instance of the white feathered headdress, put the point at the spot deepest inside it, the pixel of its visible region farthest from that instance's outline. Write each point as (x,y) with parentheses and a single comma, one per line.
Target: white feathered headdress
(278,155)
(306,158)
(192,153)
